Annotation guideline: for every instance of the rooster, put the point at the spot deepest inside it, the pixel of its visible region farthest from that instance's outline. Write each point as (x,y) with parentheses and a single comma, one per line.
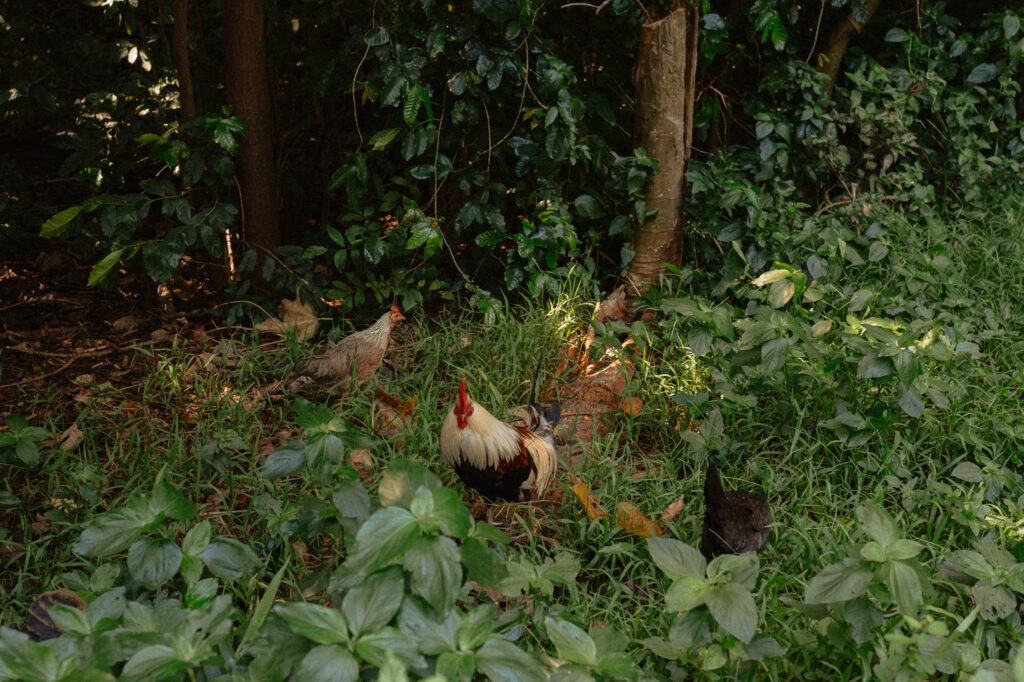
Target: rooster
(356,356)
(735,521)
(501,461)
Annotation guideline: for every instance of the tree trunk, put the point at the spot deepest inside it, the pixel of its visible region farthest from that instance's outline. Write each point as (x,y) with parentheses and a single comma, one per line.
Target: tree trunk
(179,46)
(830,60)
(248,91)
(664,81)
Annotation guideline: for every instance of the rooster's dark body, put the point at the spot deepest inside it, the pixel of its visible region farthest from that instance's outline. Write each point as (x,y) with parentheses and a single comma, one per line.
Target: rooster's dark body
(735,521)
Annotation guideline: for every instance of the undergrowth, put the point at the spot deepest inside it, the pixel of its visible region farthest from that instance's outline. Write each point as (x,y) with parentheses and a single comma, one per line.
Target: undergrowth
(875,400)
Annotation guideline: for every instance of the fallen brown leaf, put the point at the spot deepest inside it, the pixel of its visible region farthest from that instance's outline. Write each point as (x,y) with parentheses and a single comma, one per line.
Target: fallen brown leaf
(589,502)
(70,437)
(631,406)
(673,510)
(632,519)
(295,317)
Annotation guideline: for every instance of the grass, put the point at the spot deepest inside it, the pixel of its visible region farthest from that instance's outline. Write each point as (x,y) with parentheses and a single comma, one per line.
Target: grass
(207,431)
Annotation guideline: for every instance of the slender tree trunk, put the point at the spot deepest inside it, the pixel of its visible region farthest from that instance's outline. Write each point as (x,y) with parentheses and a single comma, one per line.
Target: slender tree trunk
(664,81)
(830,60)
(248,91)
(179,46)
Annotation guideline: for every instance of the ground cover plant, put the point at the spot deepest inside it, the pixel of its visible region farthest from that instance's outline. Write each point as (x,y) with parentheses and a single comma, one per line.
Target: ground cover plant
(313,541)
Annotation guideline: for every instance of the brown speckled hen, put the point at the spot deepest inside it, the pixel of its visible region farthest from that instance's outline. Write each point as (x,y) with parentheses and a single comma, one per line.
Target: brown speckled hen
(40,625)
(735,521)
(357,356)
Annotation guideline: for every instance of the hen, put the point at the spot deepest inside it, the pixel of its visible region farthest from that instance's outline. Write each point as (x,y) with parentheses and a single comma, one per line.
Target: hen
(40,625)
(501,461)
(735,521)
(355,357)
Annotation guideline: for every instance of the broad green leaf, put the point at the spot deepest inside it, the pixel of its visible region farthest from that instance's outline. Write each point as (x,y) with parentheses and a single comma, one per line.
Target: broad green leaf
(110,533)
(153,561)
(699,341)
(733,607)
(780,293)
(351,500)
(229,559)
(284,461)
(376,37)
(877,523)
(197,539)
(995,601)
(773,355)
(841,581)
(375,646)
(168,500)
(758,333)
(400,481)
(432,637)
(877,252)
(739,568)
(154,662)
(714,657)
(57,224)
(982,73)
(676,558)
(28,452)
(905,587)
(763,647)
(685,593)
(771,276)
(968,471)
(502,661)
(371,605)
(911,404)
(69,619)
(477,627)
(435,570)
(896,35)
(328,663)
(871,366)
(904,549)
(973,564)
(874,552)
(571,642)
(1011,24)
(451,513)
(109,605)
(100,271)
(383,138)
(483,564)
(588,206)
(318,623)
(862,616)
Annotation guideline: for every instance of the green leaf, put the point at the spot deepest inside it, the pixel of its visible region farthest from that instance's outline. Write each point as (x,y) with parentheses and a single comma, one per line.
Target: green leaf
(503,661)
(100,271)
(757,333)
(315,622)
(451,513)
(739,568)
(773,355)
(910,403)
(169,501)
(284,461)
(259,615)
(863,617)
(676,558)
(351,500)
(27,451)
(57,224)
(771,276)
(435,571)
(896,35)
(483,564)
(153,561)
(780,293)
(982,73)
(973,564)
(371,605)
(327,663)
(411,107)
(839,582)
(733,607)
(229,559)
(432,637)
(763,647)
(685,593)
(1011,24)
(197,539)
(904,549)
(477,626)
(400,481)
(376,37)
(968,471)
(873,552)
(380,140)
(871,366)
(905,587)
(588,206)
(571,642)
(154,662)
(110,533)
(375,647)
(995,601)
(877,523)
(69,619)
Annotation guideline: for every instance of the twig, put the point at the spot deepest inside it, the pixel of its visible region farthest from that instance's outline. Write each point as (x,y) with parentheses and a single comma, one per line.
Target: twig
(487,116)
(597,8)
(355,75)
(437,147)
(28,350)
(817,28)
(28,380)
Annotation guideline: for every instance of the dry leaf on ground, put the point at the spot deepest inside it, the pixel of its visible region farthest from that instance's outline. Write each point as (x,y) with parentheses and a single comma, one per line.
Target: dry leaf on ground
(293,316)
(70,437)
(632,519)
(589,502)
(673,510)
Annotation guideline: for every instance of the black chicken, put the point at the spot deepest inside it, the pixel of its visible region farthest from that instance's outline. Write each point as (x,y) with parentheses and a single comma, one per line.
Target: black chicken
(735,521)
